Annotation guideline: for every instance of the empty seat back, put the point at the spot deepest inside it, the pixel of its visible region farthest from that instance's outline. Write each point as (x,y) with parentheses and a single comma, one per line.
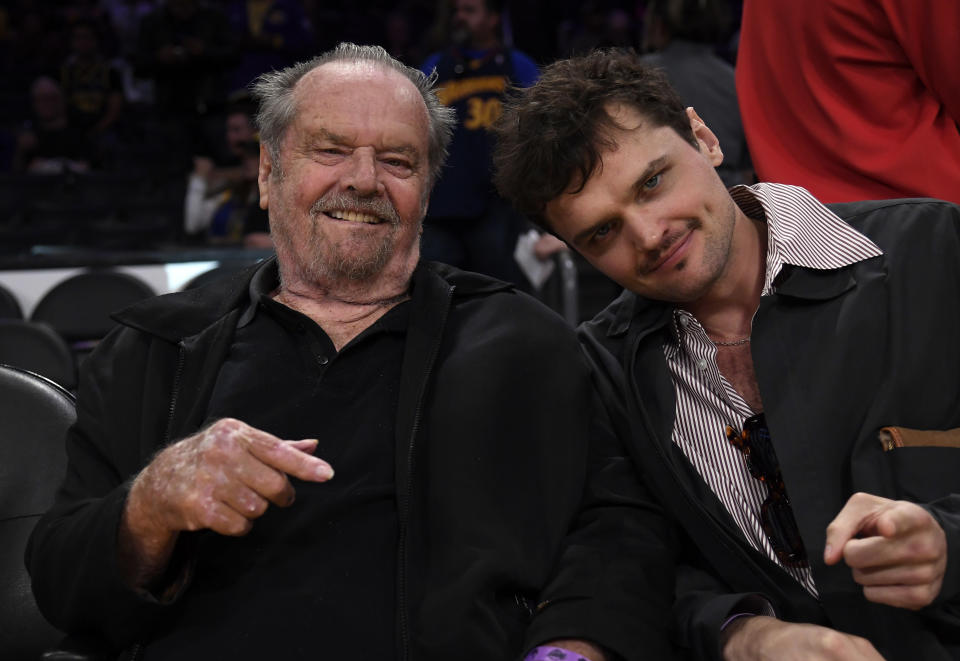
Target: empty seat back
(38,348)
(79,307)
(34,416)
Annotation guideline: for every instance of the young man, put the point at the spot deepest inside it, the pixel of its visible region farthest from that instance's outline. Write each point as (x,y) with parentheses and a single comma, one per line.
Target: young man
(762,342)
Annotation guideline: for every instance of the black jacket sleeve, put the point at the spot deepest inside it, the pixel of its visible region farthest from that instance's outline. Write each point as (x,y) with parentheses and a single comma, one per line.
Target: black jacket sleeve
(615,579)
(72,553)
(703,606)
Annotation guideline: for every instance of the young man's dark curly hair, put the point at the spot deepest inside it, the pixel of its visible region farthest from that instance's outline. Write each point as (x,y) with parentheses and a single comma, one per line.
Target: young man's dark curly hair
(551,135)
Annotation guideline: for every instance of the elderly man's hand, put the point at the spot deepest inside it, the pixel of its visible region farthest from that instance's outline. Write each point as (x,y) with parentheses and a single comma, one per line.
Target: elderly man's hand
(900,556)
(759,638)
(221,479)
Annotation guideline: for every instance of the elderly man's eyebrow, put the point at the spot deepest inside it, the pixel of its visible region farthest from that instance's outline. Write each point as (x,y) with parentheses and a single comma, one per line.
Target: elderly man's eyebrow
(409,150)
(326,135)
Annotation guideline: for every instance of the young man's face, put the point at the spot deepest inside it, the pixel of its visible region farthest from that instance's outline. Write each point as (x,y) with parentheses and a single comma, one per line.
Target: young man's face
(654,216)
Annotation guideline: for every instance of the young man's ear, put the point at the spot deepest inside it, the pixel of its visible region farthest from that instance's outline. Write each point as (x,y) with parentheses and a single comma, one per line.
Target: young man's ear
(263,176)
(706,139)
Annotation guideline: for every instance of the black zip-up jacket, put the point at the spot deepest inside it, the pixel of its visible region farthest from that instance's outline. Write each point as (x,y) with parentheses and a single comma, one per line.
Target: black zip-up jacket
(492,459)
(838,354)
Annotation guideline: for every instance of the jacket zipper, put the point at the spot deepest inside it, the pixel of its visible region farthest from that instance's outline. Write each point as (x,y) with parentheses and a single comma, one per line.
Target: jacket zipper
(181,359)
(405,505)
(137,650)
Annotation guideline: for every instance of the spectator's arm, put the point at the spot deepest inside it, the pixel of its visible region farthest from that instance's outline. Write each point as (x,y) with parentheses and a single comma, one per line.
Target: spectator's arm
(199,206)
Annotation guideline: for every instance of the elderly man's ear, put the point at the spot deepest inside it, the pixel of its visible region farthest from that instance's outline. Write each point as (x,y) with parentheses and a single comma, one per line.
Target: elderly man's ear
(708,141)
(263,176)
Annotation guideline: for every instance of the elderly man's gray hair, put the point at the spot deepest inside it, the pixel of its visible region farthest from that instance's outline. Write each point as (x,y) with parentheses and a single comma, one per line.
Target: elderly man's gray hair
(274,90)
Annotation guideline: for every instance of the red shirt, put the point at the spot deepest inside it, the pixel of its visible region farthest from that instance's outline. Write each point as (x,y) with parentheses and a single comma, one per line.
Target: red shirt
(853,99)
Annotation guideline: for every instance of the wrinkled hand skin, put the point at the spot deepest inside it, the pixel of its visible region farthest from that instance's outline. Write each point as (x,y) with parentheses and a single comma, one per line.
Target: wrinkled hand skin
(222,479)
(896,549)
(762,638)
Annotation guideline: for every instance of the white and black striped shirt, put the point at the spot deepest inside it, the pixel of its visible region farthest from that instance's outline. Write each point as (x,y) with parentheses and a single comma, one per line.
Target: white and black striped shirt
(802,232)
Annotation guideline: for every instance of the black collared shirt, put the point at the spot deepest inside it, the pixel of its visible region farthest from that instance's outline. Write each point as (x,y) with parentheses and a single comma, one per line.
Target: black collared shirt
(317,579)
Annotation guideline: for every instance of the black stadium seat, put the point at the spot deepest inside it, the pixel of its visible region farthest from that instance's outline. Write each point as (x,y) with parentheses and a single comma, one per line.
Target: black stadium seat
(34,416)
(79,307)
(37,347)
(9,306)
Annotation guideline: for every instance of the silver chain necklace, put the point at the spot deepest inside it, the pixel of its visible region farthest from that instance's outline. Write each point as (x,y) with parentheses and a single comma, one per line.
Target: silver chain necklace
(735,343)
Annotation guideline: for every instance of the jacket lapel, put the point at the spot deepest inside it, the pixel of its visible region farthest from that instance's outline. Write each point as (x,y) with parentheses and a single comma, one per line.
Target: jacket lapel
(818,347)
(652,410)
(814,285)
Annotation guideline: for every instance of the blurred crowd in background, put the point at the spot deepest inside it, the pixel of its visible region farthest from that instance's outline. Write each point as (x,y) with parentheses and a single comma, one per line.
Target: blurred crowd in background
(155,92)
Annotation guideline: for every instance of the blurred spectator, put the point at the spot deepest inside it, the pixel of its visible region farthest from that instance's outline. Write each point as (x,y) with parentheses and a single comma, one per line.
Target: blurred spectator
(240,127)
(222,200)
(91,86)
(227,213)
(224,148)
(48,142)
(683,35)
(853,99)
(275,34)
(467,223)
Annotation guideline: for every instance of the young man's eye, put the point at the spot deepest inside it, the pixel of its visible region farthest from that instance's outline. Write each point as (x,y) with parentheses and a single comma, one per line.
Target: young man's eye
(652,182)
(602,232)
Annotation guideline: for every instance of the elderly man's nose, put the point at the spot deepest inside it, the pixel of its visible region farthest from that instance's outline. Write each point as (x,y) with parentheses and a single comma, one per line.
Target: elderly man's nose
(362,173)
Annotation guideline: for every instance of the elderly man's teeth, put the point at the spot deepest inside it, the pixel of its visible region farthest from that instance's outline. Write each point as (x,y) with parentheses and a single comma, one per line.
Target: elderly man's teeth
(354,216)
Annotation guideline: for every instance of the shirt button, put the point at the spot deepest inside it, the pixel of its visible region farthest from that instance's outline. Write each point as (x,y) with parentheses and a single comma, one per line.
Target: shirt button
(702,363)
(684,321)
(323,360)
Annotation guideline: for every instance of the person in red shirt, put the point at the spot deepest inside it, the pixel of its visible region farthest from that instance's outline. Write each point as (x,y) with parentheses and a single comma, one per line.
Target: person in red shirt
(853,99)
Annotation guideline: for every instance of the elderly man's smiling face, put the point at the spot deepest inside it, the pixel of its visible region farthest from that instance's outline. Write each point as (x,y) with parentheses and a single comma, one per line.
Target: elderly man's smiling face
(348,195)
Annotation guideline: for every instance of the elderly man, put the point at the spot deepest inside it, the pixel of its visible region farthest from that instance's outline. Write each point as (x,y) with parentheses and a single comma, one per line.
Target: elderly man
(763,344)
(450,407)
